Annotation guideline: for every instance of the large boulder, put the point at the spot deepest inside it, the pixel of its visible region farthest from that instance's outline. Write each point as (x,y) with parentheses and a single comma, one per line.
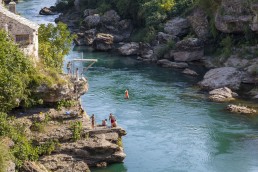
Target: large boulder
(110,17)
(190,49)
(48,11)
(240,109)
(29,166)
(103,42)
(221,95)
(64,162)
(190,72)
(254,93)
(90,36)
(236,62)
(164,38)
(199,23)
(222,77)
(129,49)
(89,12)
(186,56)
(146,52)
(177,27)
(56,93)
(92,21)
(190,44)
(233,16)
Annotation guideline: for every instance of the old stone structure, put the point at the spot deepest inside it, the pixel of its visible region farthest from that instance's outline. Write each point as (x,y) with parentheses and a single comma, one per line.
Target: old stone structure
(23,31)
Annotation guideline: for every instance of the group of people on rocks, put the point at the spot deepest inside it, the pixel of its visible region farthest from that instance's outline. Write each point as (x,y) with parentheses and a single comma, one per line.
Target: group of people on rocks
(112,119)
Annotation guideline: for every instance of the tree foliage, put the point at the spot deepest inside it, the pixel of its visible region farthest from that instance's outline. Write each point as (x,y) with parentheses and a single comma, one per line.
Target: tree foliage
(54,43)
(16,74)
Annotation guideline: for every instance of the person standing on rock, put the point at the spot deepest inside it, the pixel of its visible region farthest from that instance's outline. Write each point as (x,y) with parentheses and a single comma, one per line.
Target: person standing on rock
(68,67)
(126,94)
(92,121)
(77,74)
(112,119)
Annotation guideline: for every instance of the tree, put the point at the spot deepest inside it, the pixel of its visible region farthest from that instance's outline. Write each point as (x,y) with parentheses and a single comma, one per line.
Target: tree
(15,74)
(54,43)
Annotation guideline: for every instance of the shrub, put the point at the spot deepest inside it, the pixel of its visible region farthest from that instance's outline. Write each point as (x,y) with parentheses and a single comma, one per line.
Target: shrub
(48,147)
(16,75)
(76,128)
(54,43)
(66,104)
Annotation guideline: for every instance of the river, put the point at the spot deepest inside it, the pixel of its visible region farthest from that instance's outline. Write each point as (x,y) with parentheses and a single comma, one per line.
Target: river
(170,124)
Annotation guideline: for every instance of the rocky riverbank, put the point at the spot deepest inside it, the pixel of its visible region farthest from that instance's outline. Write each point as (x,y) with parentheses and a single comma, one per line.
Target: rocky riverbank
(182,45)
(75,145)
(183,41)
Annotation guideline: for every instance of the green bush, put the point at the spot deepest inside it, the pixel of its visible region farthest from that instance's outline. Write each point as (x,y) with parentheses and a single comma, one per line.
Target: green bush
(23,149)
(66,104)
(76,128)
(54,43)
(48,147)
(16,75)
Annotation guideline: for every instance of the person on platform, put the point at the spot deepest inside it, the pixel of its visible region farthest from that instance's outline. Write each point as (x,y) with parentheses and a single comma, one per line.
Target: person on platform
(112,119)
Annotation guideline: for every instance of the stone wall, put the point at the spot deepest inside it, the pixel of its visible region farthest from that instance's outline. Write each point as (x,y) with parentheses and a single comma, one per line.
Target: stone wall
(18,25)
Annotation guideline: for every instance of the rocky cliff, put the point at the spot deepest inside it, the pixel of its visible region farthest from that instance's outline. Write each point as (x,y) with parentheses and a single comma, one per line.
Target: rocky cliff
(65,133)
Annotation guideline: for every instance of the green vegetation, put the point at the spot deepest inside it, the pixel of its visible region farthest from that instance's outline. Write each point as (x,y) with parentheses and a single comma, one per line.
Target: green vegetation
(119,142)
(24,149)
(66,104)
(55,43)
(147,15)
(76,128)
(17,75)
(40,126)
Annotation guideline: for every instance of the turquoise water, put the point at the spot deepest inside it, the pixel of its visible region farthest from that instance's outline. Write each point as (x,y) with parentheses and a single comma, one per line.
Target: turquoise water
(170,124)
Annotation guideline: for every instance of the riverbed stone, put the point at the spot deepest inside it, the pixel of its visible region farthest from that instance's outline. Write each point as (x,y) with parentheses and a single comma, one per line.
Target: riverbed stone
(129,49)
(92,21)
(188,71)
(222,77)
(221,95)
(240,109)
(103,42)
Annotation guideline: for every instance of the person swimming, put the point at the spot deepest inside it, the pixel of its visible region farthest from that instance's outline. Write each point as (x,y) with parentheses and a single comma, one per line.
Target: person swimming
(126,94)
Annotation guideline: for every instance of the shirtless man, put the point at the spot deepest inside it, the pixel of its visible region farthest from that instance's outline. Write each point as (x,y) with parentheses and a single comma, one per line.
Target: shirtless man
(112,120)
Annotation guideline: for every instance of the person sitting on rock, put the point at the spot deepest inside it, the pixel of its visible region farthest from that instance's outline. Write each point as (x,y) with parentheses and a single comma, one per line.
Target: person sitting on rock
(104,122)
(112,119)
(92,121)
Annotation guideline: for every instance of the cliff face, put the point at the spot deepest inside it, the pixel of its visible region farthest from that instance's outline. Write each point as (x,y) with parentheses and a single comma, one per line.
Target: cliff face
(236,16)
(77,145)
(69,89)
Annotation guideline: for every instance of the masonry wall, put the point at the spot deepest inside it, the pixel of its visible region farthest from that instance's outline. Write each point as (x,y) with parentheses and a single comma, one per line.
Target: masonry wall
(17,28)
